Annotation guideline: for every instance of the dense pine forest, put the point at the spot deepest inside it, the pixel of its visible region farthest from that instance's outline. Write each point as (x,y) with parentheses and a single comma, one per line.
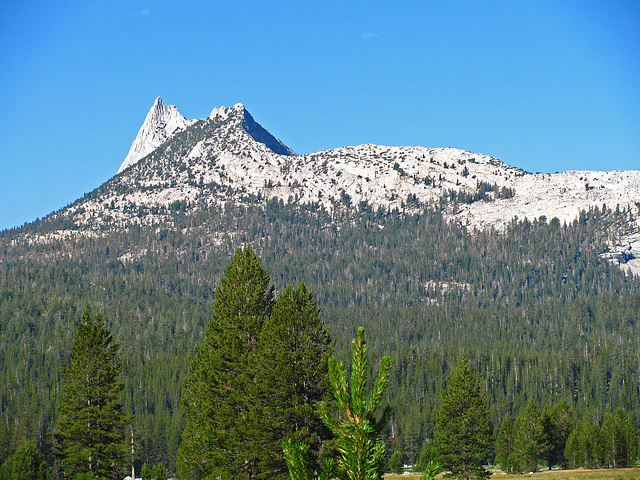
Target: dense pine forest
(538,313)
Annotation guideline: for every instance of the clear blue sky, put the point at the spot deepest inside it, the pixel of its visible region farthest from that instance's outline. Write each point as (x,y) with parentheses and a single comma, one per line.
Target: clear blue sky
(546,85)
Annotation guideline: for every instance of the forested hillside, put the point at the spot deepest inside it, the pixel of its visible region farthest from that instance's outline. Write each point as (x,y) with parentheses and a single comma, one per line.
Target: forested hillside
(538,313)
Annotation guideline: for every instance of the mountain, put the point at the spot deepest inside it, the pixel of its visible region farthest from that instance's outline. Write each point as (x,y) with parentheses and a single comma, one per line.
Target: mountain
(174,161)
(437,252)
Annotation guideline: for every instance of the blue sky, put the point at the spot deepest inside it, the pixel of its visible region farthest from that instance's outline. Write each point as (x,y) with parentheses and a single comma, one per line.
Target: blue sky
(541,85)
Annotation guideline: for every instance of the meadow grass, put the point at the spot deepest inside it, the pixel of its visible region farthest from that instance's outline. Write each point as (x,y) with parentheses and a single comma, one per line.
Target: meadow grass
(600,474)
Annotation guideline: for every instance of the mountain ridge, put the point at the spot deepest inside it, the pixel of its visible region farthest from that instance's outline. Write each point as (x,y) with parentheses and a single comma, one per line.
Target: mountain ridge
(228,156)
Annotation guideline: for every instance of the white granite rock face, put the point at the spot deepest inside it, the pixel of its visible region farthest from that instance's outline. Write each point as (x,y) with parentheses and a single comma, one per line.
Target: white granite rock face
(162,122)
(232,153)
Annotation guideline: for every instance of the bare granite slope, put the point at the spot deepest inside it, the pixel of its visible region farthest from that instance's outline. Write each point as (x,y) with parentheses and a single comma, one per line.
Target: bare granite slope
(229,156)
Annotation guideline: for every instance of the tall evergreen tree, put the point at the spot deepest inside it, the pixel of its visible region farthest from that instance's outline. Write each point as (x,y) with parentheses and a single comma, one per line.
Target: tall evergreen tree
(617,440)
(530,446)
(216,403)
(291,378)
(91,429)
(583,447)
(504,447)
(557,424)
(462,430)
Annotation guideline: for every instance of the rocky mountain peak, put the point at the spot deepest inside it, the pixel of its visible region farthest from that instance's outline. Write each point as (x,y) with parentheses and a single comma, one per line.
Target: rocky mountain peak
(222,113)
(162,122)
(238,114)
(229,155)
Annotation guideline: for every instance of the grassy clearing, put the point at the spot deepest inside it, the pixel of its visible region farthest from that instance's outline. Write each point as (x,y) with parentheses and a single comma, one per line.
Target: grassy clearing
(603,474)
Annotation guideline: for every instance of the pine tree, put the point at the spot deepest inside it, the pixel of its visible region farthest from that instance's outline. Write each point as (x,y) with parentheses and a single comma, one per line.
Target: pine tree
(396,462)
(160,472)
(428,453)
(462,430)
(617,440)
(145,472)
(25,464)
(530,442)
(91,429)
(504,447)
(557,424)
(582,449)
(291,378)
(216,395)
(361,452)
(572,450)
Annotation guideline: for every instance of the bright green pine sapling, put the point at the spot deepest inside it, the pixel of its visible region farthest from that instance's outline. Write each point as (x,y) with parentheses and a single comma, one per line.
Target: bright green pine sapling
(361,452)
(431,469)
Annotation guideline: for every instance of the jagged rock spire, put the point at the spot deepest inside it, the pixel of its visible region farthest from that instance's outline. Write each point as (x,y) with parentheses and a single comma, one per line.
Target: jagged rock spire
(162,122)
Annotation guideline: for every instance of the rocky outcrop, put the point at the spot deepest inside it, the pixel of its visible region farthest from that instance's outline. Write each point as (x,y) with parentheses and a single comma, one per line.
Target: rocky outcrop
(162,122)
(229,155)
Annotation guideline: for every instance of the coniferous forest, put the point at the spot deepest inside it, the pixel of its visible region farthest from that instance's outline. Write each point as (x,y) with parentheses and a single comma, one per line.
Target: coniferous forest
(544,322)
